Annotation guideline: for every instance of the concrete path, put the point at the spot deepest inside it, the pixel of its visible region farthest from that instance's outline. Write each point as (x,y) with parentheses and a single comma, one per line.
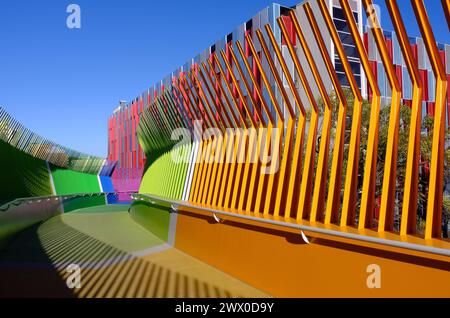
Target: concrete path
(116,256)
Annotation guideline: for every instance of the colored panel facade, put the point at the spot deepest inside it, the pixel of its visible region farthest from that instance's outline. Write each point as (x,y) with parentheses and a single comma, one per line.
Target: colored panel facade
(73,182)
(423,64)
(124,147)
(165,177)
(106,184)
(68,182)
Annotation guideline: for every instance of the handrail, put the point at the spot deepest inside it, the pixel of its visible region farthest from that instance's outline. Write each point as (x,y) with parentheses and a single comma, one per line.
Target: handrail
(19,201)
(411,246)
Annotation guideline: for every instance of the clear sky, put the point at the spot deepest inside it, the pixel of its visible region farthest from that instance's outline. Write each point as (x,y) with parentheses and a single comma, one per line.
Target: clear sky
(64,83)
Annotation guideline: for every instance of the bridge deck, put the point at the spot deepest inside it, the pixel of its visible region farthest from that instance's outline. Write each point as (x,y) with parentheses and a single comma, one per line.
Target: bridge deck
(117,257)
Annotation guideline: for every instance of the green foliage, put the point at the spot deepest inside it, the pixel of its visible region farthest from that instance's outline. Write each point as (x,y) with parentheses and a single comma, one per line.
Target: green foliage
(446,215)
(403,140)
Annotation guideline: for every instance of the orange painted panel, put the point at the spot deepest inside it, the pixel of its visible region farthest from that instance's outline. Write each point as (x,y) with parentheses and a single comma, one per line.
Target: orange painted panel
(278,262)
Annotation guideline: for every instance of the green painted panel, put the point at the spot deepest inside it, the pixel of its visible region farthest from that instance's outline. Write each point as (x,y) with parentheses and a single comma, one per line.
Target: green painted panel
(71,182)
(21,175)
(155,219)
(80,203)
(164,176)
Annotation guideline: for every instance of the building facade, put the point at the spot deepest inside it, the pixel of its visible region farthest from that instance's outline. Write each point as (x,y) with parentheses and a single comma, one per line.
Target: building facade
(424,66)
(123,143)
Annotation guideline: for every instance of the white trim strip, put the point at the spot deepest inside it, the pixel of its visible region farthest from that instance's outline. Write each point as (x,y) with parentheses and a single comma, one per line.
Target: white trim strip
(190,172)
(52,183)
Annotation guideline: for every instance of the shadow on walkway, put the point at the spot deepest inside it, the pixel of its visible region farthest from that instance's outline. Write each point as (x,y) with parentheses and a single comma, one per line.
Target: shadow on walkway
(34,265)
(27,271)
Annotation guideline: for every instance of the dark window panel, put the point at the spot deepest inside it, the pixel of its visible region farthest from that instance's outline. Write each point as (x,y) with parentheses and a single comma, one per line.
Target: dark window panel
(339,13)
(346,38)
(355,66)
(344,81)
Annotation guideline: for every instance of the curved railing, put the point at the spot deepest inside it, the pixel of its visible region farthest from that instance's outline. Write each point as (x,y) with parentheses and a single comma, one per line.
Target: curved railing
(61,198)
(22,213)
(180,206)
(23,139)
(306,180)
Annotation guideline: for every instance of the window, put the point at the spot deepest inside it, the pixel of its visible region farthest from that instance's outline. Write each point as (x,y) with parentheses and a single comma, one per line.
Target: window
(344,81)
(397,51)
(346,38)
(339,14)
(342,25)
(431,86)
(381,79)
(350,51)
(407,85)
(355,66)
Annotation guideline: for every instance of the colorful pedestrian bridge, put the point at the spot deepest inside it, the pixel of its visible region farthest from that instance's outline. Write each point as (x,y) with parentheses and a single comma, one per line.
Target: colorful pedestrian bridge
(251,198)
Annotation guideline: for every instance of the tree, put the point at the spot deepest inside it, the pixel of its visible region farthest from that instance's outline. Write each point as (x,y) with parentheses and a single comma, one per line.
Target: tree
(445,216)
(403,137)
(426,147)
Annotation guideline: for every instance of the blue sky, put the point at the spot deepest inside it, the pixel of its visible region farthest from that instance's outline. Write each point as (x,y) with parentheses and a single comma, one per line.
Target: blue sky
(64,83)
